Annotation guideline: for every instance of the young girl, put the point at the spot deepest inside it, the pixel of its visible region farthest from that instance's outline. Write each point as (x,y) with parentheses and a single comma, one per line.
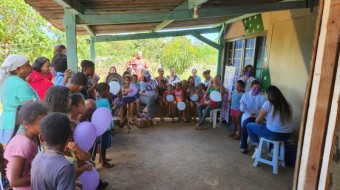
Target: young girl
(77,108)
(179,97)
(235,112)
(103,89)
(200,92)
(57,99)
(41,78)
(190,104)
(135,82)
(133,100)
(23,146)
(169,91)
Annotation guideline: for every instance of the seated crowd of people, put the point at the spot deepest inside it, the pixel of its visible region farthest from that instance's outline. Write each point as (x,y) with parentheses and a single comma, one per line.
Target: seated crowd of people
(42,108)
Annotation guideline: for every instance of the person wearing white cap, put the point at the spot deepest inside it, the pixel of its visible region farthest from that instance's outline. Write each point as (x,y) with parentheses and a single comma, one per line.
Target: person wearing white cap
(148,94)
(14,91)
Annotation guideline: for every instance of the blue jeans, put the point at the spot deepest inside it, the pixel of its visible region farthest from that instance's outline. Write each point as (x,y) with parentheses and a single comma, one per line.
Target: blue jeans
(204,110)
(256,131)
(244,133)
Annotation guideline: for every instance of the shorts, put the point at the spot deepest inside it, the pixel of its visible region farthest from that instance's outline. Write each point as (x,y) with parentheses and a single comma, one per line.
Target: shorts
(105,140)
(234,112)
(129,100)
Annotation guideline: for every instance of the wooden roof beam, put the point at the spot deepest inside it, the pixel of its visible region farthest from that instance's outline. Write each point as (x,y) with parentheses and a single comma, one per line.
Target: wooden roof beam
(124,18)
(193,3)
(72,5)
(206,40)
(108,38)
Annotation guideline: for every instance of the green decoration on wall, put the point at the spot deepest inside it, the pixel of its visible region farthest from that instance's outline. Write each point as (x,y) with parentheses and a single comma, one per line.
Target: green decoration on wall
(253,24)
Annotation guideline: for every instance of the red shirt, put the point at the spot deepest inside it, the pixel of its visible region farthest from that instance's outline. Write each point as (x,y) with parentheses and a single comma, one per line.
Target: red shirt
(178,95)
(40,83)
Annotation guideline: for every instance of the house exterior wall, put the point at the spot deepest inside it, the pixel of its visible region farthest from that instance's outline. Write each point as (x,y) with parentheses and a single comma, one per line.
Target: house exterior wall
(289,43)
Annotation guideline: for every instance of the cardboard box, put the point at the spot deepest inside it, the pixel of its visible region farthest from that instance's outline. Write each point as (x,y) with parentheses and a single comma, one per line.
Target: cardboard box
(143,122)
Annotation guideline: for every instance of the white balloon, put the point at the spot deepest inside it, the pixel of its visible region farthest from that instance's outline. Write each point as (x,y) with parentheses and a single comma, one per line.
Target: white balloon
(170,98)
(216,96)
(114,87)
(194,97)
(181,106)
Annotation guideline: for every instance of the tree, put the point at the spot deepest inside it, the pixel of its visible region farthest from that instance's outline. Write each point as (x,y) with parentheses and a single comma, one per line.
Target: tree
(179,53)
(24,31)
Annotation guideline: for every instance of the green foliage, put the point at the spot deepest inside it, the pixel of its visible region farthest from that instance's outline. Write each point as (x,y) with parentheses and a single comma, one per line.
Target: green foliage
(23,31)
(179,54)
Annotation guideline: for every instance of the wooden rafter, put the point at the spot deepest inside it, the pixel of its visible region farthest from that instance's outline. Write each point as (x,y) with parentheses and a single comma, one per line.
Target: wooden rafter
(124,18)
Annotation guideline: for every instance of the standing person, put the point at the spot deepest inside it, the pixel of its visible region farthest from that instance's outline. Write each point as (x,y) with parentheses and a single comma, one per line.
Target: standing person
(162,82)
(247,77)
(23,146)
(207,77)
(191,104)
(278,115)
(196,77)
(57,99)
(103,90)
(138,64)
(250,104)
(60,48)
(173,78)
(59,63)
(89,91)
(50,169)
(41,78)
(169,91)
(15,91)
(205,106)
(132,100)
(235,112)
(148,94)
(179,97)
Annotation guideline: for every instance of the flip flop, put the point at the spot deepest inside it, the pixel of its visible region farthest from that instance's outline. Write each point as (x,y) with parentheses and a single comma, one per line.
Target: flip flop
(107,165)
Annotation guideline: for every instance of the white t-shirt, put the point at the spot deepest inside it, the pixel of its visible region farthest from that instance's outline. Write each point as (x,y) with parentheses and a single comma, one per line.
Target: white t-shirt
(148,87)
(251,104)
(274,124)
(247,83)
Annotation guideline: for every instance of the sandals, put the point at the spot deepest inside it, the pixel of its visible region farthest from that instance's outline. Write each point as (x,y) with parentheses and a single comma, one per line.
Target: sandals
(107,165)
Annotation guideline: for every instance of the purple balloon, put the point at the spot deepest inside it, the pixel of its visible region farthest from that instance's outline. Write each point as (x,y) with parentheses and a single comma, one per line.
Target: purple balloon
(89,179)
(101,119)
(85,135)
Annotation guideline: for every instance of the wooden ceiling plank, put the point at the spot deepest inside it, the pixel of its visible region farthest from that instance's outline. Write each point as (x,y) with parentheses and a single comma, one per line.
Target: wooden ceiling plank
(185,14)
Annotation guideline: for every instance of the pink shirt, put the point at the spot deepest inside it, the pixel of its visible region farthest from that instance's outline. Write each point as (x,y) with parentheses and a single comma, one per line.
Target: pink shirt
(138,65)
(23,147)
(40,83)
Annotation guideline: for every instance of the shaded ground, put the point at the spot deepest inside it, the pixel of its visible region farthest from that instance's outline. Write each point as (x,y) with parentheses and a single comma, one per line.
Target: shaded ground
(177,157)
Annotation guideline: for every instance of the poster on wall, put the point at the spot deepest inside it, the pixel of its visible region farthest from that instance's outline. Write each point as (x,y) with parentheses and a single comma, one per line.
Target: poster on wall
(229,80)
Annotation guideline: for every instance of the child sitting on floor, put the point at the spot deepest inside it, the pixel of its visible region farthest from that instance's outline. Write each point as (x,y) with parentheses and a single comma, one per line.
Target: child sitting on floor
(50,169)
(22,147)
(103,90)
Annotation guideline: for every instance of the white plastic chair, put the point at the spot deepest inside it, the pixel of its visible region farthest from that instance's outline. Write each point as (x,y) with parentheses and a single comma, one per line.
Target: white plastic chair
(213,117)
(278,157)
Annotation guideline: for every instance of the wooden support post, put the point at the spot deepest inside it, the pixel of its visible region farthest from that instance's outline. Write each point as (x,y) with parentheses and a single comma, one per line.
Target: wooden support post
(71,39)
(220,51)
(92,49)
(321,97)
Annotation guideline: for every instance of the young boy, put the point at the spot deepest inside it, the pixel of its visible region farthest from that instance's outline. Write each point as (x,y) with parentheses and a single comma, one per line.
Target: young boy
(88,69)
(50,169)
(59,63)
(103,90)
(77,82)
